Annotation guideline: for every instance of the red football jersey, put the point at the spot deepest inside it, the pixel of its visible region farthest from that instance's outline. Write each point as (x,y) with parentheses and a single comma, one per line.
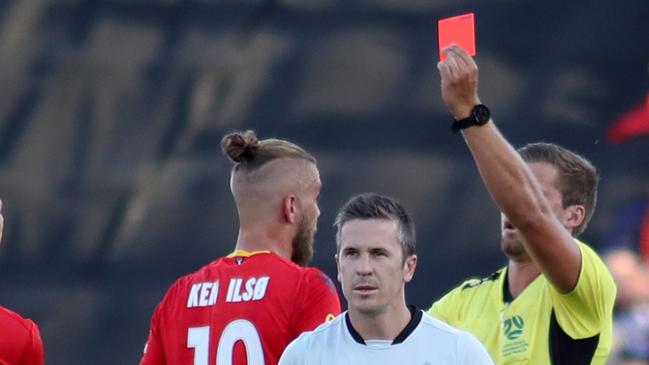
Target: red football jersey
(243,309)
(20,340)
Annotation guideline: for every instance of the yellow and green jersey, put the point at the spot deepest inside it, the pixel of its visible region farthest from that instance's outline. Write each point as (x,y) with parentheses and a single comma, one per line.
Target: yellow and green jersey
(541,325)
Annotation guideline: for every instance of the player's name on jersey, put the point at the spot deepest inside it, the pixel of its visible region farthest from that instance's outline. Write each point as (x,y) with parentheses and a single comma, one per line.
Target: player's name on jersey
(205,294)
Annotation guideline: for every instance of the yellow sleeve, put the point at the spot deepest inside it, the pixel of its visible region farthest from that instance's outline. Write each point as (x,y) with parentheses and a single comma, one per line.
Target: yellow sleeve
(584,311)
(441,310)
(446,307)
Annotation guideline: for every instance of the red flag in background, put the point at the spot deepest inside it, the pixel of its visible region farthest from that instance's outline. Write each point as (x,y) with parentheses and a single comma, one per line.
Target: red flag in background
(632,124)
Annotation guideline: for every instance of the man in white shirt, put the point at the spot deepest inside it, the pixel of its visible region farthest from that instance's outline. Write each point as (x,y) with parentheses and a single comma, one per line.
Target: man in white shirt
(376,258)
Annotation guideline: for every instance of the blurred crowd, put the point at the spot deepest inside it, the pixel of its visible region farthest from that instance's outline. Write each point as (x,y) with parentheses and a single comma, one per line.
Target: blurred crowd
(625,249)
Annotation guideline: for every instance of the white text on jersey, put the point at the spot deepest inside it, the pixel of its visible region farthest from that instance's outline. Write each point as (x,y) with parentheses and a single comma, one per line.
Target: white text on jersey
(254,289)
(203,294)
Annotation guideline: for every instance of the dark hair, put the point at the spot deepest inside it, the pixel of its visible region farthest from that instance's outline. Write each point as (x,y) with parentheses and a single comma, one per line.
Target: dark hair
(375,206)
(577,178)
(248,153)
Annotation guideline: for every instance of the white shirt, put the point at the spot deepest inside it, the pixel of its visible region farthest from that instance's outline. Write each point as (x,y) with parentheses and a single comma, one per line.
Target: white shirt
(424,341)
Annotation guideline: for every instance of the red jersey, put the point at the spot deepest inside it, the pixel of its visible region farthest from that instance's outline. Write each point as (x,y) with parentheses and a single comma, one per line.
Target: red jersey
(20,340)
(243,309)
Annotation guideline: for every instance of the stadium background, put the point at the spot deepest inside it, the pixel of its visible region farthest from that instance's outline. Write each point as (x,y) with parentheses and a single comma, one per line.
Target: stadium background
(111,113)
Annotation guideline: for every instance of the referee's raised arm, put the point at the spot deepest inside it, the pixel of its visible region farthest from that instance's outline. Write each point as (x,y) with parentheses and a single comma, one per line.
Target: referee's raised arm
(510,180)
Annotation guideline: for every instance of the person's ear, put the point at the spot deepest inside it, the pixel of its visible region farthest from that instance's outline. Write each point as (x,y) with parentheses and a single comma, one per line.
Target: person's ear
(337,267)
(409,267)
(574,216)
(289,208)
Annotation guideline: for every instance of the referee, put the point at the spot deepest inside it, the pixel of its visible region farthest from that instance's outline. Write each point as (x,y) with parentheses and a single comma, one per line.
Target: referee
(553,303)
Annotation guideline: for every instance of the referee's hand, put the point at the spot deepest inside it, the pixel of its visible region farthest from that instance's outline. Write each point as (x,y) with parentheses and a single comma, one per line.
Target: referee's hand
(459,75)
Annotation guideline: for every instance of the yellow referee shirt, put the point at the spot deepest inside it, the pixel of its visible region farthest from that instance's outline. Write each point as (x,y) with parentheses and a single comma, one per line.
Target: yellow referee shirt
(541,326)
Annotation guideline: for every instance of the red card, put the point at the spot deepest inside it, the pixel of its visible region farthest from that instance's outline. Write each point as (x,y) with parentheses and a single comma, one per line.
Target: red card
(459,30)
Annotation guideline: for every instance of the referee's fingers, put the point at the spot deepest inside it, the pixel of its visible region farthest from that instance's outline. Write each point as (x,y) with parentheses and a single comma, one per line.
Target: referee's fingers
(463,59)
(444,71)
(451,63)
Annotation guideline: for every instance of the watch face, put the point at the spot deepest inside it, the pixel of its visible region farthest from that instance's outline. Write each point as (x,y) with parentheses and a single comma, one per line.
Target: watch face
(481,114)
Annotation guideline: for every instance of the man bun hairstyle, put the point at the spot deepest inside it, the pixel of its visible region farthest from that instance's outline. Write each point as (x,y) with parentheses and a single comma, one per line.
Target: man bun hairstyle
(249,153)
(240,146)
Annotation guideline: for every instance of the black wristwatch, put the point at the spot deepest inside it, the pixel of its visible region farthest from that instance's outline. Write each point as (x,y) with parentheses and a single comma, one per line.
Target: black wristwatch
(479,116)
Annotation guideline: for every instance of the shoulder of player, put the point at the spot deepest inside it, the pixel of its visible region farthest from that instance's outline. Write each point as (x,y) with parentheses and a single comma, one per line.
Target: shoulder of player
(313,274)
(593,268)
(483,282)
(11,319)
(309,276)
(433,324)
(307,344)
(437,327)
(322,331)
(466,292)
(592,261)
(293,267)
(587,250)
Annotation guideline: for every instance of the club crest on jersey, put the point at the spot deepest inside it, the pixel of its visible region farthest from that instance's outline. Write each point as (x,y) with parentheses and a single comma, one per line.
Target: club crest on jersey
(252,289)
(514,327)
(513,330)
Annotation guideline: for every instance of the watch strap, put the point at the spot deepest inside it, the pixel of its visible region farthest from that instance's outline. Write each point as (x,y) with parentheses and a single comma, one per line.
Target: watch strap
(462,124)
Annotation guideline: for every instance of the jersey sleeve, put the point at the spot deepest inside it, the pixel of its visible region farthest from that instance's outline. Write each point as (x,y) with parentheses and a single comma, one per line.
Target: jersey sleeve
(472,352)
(153,354)
(583,312)
(320,301)
(36,353)
(445,308)
(154,347)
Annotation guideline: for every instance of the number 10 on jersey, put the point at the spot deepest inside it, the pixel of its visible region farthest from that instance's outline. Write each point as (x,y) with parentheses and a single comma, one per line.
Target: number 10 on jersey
(198,338)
